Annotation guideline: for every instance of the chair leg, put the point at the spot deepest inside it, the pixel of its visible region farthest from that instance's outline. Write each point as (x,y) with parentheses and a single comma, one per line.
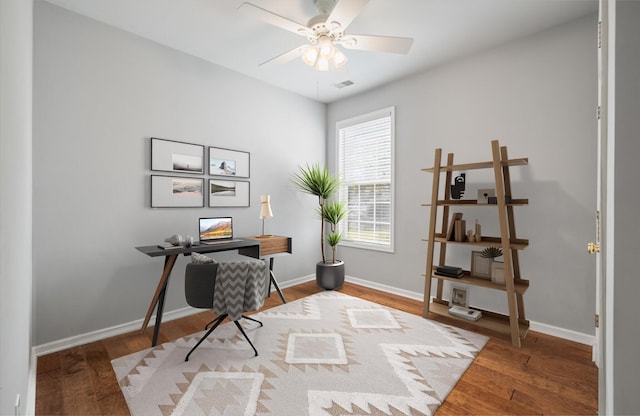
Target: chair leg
(217,321)
(212,321)
(245,335)
(251,319)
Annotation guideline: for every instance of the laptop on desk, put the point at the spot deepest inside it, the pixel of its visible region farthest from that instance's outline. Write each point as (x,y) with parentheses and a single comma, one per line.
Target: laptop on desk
(215,230)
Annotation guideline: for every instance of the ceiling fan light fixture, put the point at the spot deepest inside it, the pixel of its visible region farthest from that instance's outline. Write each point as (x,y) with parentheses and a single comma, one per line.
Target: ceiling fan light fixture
(339,59)
(326,47)
(323,64)
(310,55)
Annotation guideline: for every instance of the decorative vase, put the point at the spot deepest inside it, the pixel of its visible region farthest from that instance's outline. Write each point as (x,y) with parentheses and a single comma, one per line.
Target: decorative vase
(330,276)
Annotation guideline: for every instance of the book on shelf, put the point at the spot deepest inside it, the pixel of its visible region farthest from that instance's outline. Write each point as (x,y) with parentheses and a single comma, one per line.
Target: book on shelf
(460,232)
(457,276)
(451,232)
(449,271)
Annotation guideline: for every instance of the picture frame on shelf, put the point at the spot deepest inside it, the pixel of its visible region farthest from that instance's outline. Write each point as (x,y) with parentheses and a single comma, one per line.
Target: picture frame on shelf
(485,194)
(497,273)
(480,266)
(228,162)
(459,297)
(176,192)
(225,193)
(178,157)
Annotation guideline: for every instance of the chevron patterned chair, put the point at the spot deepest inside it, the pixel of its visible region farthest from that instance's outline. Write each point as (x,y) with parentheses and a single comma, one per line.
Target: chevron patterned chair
(229,288)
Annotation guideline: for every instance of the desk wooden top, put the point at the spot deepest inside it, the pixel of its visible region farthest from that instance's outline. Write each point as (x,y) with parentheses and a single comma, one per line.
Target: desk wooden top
(250,247)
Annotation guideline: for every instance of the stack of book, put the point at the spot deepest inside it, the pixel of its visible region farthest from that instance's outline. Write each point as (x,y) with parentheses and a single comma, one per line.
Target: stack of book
(449,271)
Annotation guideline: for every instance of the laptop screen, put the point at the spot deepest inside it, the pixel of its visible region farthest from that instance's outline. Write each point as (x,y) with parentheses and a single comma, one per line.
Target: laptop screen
(218,228)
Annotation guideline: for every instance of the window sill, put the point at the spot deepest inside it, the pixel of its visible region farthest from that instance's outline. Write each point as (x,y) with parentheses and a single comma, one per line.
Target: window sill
(367,246)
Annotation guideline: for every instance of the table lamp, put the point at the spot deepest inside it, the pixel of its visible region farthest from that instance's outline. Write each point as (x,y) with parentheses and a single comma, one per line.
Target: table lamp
(265,211)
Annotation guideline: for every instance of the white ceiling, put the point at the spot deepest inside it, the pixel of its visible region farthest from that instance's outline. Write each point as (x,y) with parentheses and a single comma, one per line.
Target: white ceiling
(442,30)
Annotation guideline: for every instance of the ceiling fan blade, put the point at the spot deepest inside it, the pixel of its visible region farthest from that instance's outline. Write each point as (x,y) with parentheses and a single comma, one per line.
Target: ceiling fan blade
(286,57)
(345,11)
(274,19)
(378,43)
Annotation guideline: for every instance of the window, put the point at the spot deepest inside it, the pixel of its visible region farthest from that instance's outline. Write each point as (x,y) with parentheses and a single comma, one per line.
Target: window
(365,165)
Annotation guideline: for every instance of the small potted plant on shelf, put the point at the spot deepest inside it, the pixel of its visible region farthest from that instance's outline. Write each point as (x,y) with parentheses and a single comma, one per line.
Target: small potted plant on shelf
(317,181)
(491,253)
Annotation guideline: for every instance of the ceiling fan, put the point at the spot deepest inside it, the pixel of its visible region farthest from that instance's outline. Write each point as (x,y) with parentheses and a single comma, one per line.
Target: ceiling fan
(325,32)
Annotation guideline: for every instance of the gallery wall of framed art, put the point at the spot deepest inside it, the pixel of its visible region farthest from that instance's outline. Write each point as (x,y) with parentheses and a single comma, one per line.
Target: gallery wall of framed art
(182,189)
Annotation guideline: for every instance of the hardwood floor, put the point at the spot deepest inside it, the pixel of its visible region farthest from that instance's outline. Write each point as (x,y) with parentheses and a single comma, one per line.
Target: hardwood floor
(547,375)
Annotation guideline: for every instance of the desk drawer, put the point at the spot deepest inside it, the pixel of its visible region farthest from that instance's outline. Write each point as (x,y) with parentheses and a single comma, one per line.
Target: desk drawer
(275,244)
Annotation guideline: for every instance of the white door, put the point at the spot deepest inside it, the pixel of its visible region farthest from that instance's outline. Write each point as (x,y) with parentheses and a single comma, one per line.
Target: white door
(594,247)
(602,246)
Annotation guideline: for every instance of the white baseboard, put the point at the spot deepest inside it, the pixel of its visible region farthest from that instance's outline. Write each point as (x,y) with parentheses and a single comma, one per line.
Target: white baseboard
(297,281)
(563,333)
(99,334)
(93,336)
(555,331)
(385,288)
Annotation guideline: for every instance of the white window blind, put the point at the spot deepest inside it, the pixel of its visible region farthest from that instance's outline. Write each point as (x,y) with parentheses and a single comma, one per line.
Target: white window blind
(365,164)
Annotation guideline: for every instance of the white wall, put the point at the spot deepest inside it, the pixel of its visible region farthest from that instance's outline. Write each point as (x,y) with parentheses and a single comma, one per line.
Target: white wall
(16,64)
(99,94)
(537,96)
(626,380)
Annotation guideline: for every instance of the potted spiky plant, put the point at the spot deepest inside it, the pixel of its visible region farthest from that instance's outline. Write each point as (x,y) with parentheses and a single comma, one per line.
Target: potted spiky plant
(318,181)
(334,212)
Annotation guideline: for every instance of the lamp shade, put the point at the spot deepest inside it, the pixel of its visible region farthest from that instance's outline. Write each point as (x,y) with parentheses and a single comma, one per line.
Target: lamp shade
(265,207)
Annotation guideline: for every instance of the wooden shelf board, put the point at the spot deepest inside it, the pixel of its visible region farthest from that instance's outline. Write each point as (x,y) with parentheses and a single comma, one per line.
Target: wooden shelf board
(457,202)
(517,244)
(480,165)
(489,320)
(520,285)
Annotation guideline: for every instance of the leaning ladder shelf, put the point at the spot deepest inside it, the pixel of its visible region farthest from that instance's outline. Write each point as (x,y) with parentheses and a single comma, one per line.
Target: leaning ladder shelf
(514,324)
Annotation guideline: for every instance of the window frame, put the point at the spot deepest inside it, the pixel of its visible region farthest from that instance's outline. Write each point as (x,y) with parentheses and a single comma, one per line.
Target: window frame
(390,112)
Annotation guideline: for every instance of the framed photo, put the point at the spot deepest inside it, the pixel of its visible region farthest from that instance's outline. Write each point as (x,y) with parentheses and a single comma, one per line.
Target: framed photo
(497,273)
(176,192)
(179,157)
(226,162)
(459,297)
(224,193)
(485,194)
(480,266)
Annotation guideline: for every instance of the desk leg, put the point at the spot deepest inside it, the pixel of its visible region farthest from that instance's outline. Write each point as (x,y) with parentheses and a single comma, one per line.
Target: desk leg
(273,280)
(158,297)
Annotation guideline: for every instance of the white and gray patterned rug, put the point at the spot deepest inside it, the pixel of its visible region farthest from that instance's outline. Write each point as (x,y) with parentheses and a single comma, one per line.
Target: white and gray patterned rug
(327,354)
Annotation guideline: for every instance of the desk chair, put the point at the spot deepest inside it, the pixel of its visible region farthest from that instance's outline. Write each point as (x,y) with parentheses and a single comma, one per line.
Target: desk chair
(218,286)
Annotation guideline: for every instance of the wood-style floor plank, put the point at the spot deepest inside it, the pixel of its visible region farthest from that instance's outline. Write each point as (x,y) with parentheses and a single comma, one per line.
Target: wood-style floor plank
(547,375)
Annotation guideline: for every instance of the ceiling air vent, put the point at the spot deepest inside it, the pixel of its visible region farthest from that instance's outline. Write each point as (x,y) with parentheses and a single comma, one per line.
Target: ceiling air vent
(341,85)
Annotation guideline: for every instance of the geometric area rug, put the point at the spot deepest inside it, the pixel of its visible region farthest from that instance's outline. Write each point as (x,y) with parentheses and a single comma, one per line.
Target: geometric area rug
(326,354)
